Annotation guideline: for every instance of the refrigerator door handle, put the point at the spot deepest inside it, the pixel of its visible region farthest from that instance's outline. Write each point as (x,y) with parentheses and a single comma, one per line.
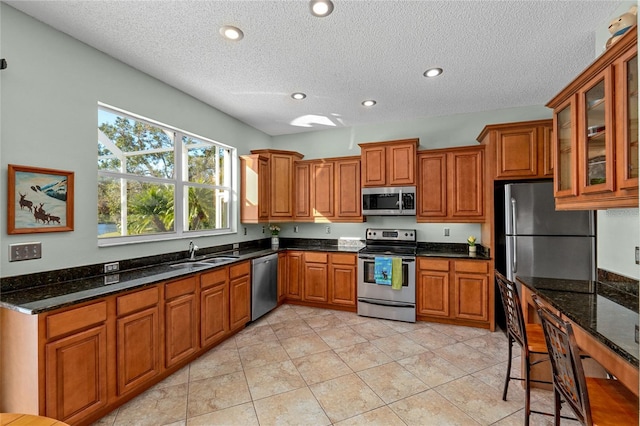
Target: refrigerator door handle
(514,263)
(513,216)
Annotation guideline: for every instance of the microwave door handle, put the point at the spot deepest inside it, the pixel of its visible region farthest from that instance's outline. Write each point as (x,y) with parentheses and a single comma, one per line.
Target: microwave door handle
(401,201)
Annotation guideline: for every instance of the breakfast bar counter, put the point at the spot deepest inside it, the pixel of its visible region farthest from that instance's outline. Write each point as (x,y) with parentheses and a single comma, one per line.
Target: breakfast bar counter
(604,315)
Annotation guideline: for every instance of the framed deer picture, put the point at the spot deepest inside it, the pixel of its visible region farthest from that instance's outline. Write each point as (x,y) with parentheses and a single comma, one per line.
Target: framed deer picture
(39,200)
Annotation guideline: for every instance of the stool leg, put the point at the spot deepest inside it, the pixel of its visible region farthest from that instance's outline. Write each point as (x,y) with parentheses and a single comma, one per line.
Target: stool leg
(556,407)
(506,380)
(527,389)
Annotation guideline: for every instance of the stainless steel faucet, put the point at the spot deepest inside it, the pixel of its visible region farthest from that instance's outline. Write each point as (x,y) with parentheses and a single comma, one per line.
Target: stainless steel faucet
(192,250)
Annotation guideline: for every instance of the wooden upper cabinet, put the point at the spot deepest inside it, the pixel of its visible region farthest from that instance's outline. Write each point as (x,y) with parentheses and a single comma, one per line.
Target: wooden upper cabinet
(432,183)
(322,189)
(254,189)
(391,163)
(467,184)
(374,166)
(347,193)
(596,132)
(520,150)
(328,190)
(281,185)
(451,185)
(267,186)
(302,184)
(627,107)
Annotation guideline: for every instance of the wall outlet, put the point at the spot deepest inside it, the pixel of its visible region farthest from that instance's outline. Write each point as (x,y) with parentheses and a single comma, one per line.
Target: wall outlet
(327,229)
(245,230)
(263,227)
(25,251)
(635,336)
(111,267)
(637,255)
(296,229)
(111,279)
(446,232)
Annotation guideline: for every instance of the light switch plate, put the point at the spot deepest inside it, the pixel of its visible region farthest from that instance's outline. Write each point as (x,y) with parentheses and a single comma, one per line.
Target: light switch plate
(25,251)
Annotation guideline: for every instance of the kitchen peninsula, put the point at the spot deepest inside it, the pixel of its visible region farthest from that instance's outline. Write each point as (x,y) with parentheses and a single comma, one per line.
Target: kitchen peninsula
(604,315)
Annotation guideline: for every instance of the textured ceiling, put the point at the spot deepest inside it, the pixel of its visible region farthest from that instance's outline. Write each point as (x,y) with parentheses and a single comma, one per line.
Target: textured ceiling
(496,54)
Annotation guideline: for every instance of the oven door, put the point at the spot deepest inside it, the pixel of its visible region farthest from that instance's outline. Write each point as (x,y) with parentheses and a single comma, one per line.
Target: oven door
(368,289)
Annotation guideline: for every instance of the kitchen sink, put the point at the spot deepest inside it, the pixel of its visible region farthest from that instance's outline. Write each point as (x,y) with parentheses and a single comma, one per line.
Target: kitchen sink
(220,259)
(191,265)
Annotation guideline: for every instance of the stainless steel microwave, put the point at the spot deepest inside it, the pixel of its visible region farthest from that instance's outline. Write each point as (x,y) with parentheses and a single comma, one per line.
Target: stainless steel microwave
(389,201)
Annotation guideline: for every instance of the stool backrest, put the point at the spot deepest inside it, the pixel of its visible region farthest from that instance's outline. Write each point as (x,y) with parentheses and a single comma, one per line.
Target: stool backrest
(568,374)
(512,309)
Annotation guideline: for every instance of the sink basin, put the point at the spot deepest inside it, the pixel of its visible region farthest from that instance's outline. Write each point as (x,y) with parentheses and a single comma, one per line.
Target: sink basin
(220,259)
(191,265)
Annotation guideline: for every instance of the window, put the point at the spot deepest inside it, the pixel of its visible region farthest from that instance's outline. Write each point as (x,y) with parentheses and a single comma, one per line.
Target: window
(158,182)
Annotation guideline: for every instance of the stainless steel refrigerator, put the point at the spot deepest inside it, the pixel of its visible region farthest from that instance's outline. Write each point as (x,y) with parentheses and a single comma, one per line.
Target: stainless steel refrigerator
(542,242)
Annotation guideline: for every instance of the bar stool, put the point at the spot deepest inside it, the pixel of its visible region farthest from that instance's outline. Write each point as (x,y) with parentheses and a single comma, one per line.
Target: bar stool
(530,337)
(595,401)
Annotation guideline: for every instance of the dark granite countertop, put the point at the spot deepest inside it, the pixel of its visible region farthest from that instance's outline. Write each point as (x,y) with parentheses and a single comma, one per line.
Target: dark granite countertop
(46,291)
(453,250)
(605,310)
(39,299)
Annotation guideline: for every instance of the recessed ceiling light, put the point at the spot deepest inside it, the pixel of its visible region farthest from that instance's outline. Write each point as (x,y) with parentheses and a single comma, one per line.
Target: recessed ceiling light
(433,72)
(368,103)
(321,8)
(298,96)
(231,33)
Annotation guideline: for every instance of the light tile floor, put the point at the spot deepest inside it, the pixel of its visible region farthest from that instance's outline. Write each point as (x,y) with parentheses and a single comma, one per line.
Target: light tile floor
(306,366)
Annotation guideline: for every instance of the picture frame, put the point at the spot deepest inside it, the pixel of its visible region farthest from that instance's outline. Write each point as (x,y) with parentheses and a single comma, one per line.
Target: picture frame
(39,200)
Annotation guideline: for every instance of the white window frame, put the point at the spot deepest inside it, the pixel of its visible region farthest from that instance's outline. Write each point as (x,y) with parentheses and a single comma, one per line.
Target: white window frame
(179,182)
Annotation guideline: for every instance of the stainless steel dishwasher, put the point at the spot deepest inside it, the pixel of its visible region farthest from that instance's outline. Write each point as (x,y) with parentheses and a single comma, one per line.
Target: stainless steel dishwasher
(264,285)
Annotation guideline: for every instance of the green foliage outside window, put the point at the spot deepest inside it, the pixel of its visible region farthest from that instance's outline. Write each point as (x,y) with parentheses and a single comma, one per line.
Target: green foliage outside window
(149,175)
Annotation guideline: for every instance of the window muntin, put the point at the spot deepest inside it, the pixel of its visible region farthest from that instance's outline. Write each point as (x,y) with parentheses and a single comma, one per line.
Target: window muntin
(157,182)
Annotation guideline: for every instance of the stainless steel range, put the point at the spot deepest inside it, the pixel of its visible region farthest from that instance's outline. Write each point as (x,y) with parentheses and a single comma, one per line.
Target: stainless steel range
(377,297)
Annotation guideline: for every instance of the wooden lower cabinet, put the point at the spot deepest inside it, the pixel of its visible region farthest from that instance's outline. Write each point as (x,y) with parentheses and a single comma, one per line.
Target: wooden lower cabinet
(76,363)
(322,279)
(181,320)
(282,276)
(342,279)
(295,275)
(316,275)
(137,339)
(432,288)
(239,295)
(214,307)
(454,291)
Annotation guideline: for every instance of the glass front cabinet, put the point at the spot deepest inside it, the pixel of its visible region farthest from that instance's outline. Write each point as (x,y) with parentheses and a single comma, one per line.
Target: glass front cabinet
(596,132)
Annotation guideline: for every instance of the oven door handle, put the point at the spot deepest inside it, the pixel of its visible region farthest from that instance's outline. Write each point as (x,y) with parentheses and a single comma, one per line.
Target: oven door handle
(373,256)
(389,303)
